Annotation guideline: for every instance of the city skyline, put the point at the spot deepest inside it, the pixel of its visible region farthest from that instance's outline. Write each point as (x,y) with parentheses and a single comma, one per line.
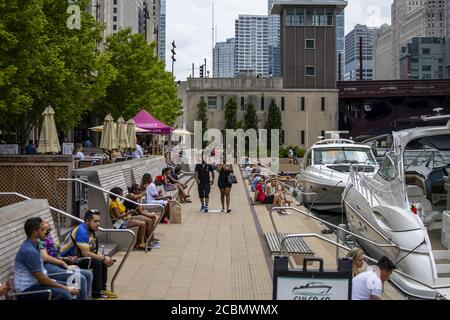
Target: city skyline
(190,25)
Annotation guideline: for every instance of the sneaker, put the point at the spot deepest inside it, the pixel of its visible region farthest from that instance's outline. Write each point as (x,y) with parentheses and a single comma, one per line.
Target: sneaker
(165,221)
(202,208)
(155,245)
(223,210)
(109,294)
(229,210)
(206,209)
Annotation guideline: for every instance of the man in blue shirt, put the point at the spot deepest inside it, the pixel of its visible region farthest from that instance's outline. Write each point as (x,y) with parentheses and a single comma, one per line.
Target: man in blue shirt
(29,271)
(30,149)
(82,242)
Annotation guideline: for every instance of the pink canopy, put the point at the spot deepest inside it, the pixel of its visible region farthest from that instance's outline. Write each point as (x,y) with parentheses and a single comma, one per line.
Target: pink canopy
(145,121)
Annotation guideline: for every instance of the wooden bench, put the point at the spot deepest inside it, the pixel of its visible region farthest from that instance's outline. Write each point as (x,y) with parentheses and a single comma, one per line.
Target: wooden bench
(295,247)
(12,234)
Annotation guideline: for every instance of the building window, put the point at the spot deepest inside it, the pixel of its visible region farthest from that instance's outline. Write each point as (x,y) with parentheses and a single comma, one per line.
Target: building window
(115,2)
(115,18)
(282,136)
(242,103)
(114,27)
(282,103)
(114,10)
(302,104)
(310,71)
(426,50)
(222,102)
(212,102)
(322,133)
(302,137)
(322,104)
(310,44)
(426,68)
(262,103)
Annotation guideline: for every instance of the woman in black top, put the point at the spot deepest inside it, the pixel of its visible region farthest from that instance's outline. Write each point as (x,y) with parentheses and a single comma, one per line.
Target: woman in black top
(224,185)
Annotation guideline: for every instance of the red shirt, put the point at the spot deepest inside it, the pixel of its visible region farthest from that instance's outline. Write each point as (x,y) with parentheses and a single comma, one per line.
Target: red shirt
(261,196)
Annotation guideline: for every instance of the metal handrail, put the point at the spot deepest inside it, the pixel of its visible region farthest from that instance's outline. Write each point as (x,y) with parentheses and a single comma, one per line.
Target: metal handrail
(329,224)
(320,237)
(131,233)
(161,207)
(182,171)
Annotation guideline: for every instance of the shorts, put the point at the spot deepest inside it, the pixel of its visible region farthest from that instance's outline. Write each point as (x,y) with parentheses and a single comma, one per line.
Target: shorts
(268,199)
(203,190)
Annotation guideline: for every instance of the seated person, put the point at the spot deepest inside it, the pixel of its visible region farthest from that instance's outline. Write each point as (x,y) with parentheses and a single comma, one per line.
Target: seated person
(77,152)
(247,171)
(261,197)
(136,194)
(175,182)
(58,269)
(153,196)
(29,271)
(255,181)
(82,242)
(123,218)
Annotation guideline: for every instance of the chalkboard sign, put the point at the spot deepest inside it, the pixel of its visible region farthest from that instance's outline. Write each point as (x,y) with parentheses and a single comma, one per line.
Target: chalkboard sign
(67,148)
(9,149)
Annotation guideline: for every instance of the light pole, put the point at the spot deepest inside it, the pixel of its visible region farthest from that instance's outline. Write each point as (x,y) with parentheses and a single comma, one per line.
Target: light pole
(173,55)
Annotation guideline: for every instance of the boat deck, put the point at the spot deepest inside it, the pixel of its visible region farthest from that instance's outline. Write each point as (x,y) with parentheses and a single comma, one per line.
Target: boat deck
(217,255)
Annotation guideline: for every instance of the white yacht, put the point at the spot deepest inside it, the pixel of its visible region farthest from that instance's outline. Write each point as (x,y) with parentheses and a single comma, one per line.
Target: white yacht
(325,170)
(403,210)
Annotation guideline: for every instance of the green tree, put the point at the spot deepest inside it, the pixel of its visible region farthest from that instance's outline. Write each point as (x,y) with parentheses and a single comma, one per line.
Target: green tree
(43,62)
(141,83)
(273,121)
(230,114)
(202,115)
(250,117)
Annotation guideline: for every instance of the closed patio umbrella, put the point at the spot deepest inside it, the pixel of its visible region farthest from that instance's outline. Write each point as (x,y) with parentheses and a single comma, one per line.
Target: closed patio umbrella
(122,139)
(131,133)
(109,137)
(48,137)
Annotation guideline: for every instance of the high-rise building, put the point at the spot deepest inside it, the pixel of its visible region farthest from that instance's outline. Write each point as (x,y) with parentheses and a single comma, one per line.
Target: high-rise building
(308,42)
(162,31)
(153,8)
(447,16)
(353,54)
(274,42)
(340,44)
(223,59)
(410,19)
(383,63)
(251,34)
(423,58)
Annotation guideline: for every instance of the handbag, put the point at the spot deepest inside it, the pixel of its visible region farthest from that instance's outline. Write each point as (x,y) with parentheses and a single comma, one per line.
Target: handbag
(232,179)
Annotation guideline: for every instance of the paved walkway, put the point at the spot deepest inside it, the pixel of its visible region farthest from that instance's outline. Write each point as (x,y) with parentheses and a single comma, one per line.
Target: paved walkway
(217,255)
(207,256)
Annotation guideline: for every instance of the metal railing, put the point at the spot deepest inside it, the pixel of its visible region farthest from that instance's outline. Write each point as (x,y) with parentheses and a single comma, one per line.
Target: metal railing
(161,207)
(67,215)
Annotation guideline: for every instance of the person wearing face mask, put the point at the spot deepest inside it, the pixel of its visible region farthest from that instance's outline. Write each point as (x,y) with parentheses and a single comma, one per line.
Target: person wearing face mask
(59,270)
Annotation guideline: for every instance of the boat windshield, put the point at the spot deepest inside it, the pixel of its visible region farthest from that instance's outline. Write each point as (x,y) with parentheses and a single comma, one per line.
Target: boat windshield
(344,155)
(430,152)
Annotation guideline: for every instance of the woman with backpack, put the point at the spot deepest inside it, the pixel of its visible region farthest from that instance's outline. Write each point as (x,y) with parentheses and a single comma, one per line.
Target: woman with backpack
(225,181)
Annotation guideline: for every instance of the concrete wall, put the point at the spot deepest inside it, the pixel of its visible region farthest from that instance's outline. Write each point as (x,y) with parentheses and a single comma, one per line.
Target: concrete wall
(312,120)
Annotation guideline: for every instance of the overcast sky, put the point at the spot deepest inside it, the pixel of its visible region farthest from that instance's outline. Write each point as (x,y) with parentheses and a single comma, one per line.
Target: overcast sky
(189,23)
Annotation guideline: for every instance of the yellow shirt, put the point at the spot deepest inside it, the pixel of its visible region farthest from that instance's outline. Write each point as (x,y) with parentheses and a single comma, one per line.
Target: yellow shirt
(116,204)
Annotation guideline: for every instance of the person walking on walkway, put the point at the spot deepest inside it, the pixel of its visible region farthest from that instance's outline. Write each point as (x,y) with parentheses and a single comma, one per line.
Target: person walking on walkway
(202,177)
(224,184)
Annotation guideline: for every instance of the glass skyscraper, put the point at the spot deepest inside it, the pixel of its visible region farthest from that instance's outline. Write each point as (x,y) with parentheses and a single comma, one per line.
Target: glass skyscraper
(340,43)
(274,42)
(162,32)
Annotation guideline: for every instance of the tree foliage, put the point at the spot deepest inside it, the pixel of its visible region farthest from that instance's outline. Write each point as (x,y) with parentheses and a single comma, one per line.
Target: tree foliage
(202,114)
(273,121)
(43,62)
(250,117)
(141,82)
(231,114)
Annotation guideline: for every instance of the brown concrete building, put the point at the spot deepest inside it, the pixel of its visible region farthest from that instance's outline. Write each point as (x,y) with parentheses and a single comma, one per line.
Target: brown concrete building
(308,42)
(306,113)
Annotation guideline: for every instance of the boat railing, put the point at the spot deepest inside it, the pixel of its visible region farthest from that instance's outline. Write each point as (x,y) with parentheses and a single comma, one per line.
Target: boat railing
(67,215)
